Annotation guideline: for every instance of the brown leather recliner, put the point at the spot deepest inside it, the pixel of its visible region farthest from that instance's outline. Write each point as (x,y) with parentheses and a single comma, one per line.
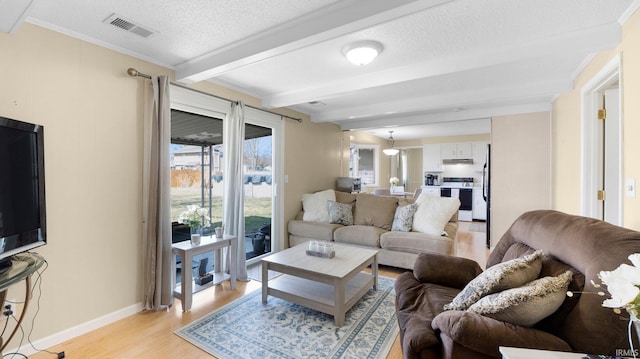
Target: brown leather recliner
(584,245)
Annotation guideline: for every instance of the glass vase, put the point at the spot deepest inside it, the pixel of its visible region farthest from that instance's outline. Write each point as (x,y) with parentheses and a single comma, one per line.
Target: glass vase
(196,234)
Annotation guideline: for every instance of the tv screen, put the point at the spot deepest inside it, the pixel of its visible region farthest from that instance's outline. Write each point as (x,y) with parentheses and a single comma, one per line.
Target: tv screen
(22,199)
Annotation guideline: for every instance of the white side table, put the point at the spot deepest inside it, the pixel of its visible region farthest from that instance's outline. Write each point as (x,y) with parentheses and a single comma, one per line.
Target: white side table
(186,251)
(522,353)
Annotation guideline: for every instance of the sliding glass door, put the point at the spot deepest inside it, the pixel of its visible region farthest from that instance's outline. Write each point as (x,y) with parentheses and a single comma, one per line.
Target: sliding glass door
(198,167)
(258,190)
(263,171)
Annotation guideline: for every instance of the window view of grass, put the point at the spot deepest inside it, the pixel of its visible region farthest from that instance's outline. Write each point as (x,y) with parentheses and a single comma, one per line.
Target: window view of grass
(257,209)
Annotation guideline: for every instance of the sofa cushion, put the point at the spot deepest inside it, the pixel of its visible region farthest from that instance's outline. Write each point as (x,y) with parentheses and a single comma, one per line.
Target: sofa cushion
(375,211)
(359,235)
(415,242)
(433,213)
(315,230)
(403,219)
(505,275)
(347,198)
(340,213)
(315,205)
(525,305)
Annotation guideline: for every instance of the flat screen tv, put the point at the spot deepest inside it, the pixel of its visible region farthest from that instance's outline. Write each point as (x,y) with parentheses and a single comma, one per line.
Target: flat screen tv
(22,199)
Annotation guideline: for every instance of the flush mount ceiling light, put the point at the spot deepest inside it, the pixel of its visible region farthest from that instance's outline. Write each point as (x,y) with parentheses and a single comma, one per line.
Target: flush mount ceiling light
(362,52)
(391,151)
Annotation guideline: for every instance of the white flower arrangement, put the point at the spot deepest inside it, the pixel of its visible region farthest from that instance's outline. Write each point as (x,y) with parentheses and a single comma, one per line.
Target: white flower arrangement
(394,181)
(624,286)
(195,216)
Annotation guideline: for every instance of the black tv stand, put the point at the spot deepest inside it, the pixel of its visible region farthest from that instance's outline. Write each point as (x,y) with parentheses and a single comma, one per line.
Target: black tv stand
(25,265)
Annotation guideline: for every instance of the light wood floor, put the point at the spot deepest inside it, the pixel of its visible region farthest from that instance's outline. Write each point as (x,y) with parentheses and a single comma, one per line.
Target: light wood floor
(150,334)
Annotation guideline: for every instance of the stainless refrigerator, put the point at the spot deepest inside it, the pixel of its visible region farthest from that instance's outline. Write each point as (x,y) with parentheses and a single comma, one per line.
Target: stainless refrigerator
(486,191)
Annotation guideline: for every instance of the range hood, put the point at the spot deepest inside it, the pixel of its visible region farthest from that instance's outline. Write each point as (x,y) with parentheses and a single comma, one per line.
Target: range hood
(457,161)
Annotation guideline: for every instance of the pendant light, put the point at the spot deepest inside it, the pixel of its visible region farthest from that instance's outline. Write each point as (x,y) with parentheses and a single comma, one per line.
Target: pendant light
(391,151)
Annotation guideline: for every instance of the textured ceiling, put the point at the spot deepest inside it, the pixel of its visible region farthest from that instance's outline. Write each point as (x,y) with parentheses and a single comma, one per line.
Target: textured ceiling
(443,61)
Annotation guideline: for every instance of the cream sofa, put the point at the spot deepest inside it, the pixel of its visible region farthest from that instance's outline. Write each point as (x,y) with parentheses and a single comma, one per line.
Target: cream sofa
(373,221)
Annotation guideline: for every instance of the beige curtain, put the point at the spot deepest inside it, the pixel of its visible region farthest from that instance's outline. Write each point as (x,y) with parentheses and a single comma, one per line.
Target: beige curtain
(156,229)
(233,206)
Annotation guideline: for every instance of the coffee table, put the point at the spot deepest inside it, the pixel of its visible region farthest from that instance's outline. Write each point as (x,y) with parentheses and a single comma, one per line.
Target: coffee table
(329,285)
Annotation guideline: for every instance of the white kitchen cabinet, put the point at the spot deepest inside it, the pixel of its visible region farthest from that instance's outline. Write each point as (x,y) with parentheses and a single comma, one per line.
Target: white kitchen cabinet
(479,155)
(431,158)
(454,151)
(479,206)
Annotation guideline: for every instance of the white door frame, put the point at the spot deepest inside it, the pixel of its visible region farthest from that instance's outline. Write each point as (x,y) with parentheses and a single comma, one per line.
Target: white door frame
(608,75)
(276,124)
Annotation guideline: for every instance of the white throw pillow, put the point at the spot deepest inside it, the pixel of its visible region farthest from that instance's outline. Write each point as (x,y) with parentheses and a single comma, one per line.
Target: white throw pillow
(316,205)
(433,213)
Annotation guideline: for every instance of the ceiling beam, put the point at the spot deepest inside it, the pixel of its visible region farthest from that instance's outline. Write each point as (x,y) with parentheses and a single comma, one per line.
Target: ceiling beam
(448,101)
(441,117)
(338,19)
(591,40)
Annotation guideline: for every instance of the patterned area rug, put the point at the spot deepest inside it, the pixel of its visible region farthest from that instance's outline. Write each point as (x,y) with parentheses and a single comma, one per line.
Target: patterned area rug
(246,328)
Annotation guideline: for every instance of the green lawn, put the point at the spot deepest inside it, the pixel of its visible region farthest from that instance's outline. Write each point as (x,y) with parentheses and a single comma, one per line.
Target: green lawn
(257,210)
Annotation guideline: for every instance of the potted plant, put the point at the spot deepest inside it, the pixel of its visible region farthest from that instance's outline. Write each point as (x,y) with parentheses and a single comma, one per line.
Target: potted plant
(196,218)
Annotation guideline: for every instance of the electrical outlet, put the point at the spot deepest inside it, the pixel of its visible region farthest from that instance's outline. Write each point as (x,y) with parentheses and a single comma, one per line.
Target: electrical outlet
(8,308)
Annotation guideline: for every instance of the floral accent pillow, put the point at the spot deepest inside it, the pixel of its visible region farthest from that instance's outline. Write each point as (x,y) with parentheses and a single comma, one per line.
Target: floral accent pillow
(340,213)
(528,304)
(403,220)
(505,275)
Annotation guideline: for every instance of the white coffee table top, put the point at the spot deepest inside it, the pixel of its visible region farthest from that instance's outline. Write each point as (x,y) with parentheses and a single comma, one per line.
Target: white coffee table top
(339,266)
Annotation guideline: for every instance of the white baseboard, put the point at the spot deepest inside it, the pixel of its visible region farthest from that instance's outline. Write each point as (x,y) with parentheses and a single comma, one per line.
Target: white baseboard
(78,330)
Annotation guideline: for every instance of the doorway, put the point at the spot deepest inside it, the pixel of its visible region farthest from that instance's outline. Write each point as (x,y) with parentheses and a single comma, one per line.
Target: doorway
(602,146)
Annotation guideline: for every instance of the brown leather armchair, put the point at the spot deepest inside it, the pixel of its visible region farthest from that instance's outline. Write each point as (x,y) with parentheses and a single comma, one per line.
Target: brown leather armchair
(583,245)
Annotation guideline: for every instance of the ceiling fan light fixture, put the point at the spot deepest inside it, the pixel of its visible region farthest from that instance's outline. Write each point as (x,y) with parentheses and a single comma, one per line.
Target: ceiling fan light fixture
(361,53)
(391,151)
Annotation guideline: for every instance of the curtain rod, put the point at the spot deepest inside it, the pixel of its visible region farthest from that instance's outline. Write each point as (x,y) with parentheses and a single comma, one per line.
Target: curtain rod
(133,73)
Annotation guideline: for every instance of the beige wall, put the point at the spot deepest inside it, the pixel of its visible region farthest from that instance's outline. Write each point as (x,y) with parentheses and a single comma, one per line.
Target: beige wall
(92,114)
(520,168)
(567,128)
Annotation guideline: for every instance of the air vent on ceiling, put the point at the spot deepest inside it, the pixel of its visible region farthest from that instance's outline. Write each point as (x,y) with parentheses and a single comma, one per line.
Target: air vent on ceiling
(130,26)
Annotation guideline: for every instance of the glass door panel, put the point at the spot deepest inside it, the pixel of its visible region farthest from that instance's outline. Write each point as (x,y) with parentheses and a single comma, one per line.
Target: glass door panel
(258,190)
